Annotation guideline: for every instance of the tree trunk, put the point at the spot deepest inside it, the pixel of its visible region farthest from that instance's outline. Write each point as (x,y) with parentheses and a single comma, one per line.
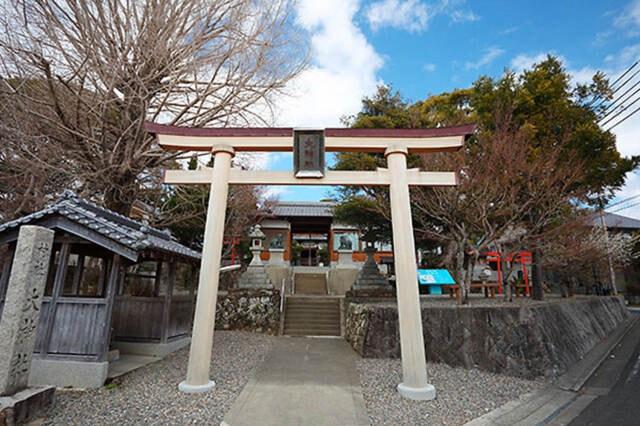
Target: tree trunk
(536,275)
(460,274)
(120,194)
(471,263)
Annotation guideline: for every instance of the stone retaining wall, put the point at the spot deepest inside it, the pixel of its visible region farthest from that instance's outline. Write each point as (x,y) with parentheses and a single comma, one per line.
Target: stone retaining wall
(249,309)
(536,339)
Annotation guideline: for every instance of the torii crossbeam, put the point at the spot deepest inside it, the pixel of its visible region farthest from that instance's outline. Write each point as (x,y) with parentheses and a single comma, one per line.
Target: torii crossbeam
(394,143)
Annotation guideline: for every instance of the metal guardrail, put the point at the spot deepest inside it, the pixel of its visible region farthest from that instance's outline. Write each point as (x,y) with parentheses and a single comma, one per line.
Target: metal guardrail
(230,268)
(282,295)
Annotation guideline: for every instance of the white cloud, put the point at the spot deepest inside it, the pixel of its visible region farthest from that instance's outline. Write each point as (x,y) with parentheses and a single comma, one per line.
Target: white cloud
(273,192)
(629,19)
(411,15)
(429,67)
(625,57)
(463,16)
(344,67)
(525,62)
(509,30)
(415,15)
(490,55)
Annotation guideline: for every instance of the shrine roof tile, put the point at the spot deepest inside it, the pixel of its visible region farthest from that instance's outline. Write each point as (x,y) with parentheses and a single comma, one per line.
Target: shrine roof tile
(303,209)
(134,235)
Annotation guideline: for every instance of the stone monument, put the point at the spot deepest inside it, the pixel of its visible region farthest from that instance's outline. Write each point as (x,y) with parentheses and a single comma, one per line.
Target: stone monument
(255,276)
(369,278)
(19,324)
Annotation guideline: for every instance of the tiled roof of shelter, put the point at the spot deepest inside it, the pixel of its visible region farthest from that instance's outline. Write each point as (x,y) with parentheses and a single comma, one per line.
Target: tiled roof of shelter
(303,209)
(617,221)
(121,230)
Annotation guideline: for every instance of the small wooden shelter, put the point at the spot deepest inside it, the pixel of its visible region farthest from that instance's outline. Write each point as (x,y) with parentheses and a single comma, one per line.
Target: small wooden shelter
(111,280)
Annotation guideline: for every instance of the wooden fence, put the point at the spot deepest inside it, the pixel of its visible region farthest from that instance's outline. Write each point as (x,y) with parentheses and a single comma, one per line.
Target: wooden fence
(78,329)
(142,318)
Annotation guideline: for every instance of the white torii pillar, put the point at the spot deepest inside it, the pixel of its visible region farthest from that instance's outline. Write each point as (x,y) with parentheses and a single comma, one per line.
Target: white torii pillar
(205,315)
(414,364)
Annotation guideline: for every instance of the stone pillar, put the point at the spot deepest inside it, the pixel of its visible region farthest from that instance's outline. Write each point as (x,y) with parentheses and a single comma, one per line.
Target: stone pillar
(414,367)
(276,256)
(205,315)
(19,323)
(345,259)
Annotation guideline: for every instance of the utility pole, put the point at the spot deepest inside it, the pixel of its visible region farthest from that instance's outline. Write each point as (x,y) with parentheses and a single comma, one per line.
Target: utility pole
(612,273)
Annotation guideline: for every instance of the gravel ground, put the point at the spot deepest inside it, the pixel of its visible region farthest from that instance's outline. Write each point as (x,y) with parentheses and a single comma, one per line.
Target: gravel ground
(150,394)
(462,395)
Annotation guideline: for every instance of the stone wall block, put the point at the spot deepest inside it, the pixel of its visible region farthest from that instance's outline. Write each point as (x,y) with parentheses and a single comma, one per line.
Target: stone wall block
(541,339)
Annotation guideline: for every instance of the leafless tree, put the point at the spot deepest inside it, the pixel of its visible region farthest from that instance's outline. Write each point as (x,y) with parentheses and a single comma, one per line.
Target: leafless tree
(579,252)
(503,187)
(90,72)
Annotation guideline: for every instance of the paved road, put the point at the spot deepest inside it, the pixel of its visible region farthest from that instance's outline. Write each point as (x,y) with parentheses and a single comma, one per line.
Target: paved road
(617,382)
(303,381)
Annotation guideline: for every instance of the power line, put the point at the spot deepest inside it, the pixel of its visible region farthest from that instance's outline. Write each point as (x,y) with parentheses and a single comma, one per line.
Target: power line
(625,207)
(610,109)
(621,110)
(622,201)
(628,70)
(625,118)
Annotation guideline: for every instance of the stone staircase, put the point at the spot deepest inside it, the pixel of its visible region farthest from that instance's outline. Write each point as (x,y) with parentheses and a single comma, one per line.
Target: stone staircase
(310,283)
(312,316)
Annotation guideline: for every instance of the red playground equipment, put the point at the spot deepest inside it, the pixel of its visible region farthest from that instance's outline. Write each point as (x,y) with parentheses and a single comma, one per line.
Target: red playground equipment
(523,257)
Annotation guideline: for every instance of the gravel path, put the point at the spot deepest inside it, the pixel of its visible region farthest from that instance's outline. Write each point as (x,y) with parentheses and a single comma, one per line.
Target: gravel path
(462,394)
(150,394)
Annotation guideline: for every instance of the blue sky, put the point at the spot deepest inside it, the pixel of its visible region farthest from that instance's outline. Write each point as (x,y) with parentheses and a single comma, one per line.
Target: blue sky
(428,47)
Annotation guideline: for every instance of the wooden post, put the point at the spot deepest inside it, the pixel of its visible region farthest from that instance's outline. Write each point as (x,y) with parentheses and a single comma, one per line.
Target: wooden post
(166,308)
(4,277)
(203,323)
(414,366)
(58,283)
(77,275)
(158,279)
(110,296)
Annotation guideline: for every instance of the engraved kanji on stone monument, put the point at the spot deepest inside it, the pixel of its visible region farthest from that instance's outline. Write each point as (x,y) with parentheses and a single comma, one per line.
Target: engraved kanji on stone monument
(19,322)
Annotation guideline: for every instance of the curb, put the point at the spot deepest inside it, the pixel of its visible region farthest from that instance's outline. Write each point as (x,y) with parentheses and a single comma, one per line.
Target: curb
(575,378)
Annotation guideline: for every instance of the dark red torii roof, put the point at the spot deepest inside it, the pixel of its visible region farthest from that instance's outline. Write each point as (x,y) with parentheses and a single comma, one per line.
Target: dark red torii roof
(164,129)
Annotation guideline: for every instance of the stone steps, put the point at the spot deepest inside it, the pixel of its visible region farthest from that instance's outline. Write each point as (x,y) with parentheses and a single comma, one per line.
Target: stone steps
(310,283)
(312,316)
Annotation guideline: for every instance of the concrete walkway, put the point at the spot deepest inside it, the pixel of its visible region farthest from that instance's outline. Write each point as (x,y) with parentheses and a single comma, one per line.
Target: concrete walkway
(303,381)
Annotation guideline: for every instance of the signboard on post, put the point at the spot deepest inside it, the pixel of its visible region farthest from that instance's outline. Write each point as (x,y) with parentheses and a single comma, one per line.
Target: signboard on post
(308,153)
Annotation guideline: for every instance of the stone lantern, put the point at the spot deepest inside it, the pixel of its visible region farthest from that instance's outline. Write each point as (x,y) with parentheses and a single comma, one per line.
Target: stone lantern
(369,278)
(257,238)
(255,276)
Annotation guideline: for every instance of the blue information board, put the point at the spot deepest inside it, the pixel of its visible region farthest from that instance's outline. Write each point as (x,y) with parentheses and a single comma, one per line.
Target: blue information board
(435,279)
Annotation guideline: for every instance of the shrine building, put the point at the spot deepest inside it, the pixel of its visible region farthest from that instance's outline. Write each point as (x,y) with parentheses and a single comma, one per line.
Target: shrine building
(300,233)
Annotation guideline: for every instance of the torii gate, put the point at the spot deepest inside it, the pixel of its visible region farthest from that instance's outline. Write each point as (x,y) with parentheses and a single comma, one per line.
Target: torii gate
(394,143)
